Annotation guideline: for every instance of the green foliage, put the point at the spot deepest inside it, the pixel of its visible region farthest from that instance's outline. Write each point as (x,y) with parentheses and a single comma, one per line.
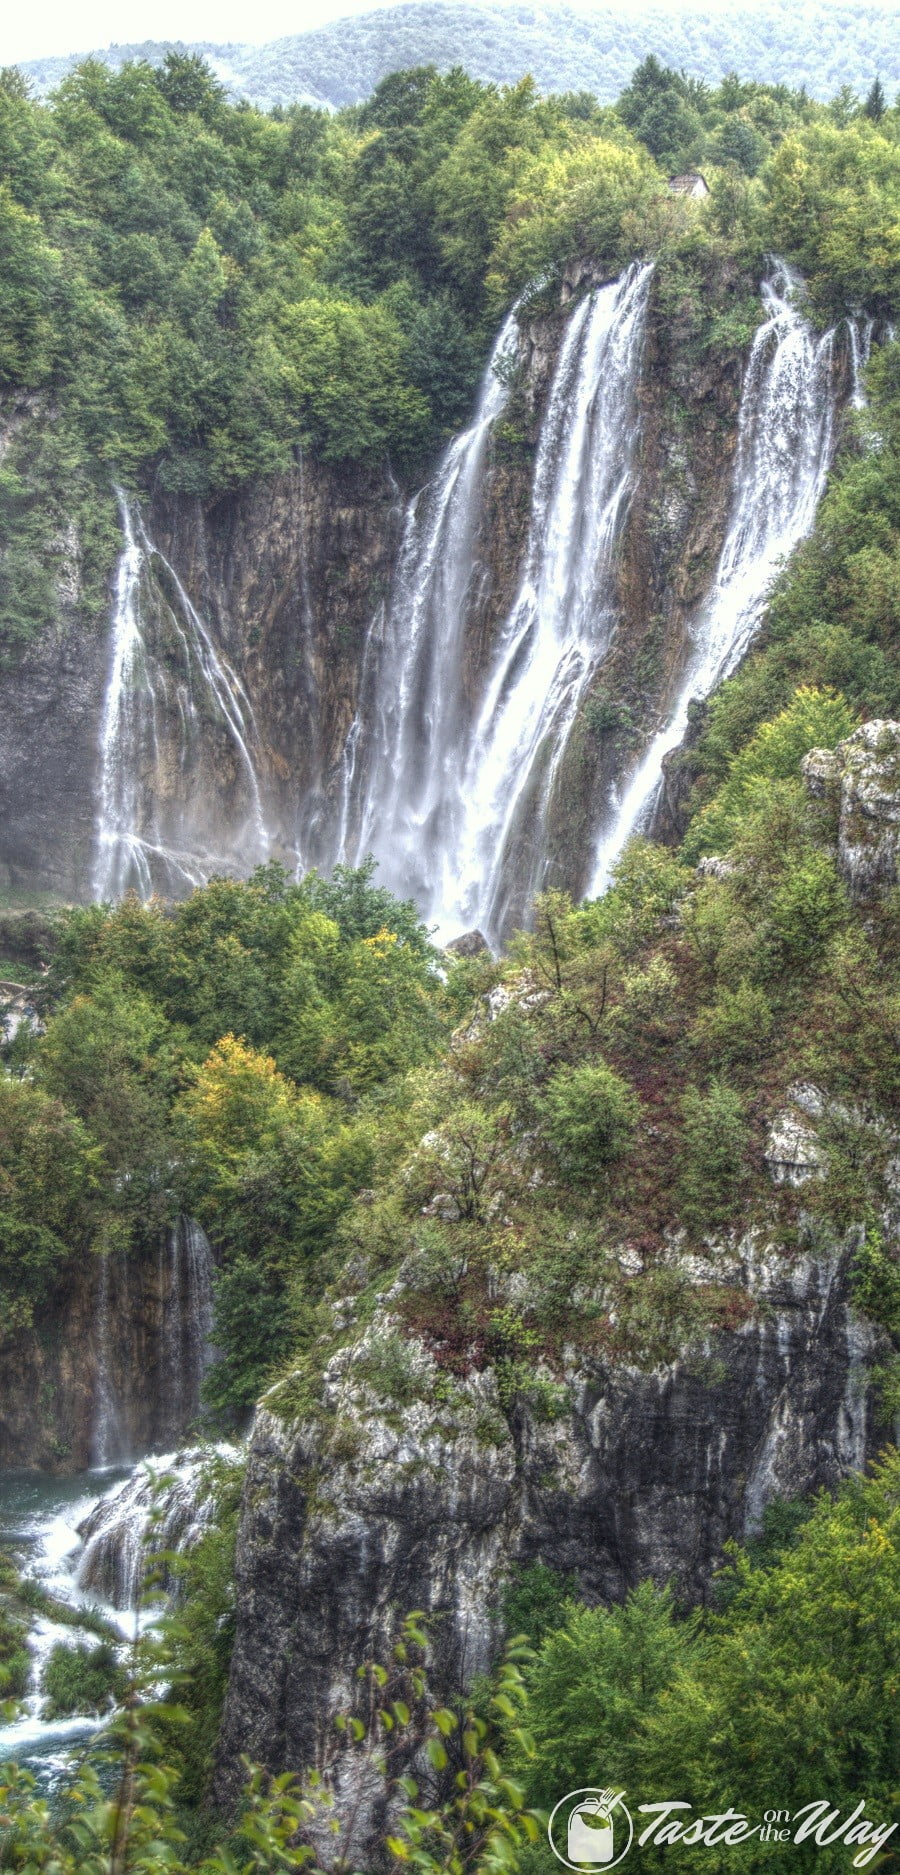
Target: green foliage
(833,200)
(714,1142)
(80,1679)
(596,1676)
(794,1695)
(51,1196)
(15,1662)
(153,1091)
(589,1114)
(782,1694)
(815,719)
(535,1601)
(875,1277)
(198,1631)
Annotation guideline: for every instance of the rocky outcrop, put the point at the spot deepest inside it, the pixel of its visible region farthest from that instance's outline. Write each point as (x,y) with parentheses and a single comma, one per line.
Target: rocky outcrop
(860,781)
(366,1507)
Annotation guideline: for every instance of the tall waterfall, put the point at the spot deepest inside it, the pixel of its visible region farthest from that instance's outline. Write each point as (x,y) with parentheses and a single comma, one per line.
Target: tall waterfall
(167,693)
(457,797)
(563,617)
(405,751)
(786,436)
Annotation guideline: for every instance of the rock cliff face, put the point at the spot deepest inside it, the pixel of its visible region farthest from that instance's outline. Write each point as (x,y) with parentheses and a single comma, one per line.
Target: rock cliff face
(367,1510)
(110,1369)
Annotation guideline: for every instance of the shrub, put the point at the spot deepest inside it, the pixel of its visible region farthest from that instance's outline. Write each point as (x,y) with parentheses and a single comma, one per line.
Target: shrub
(814,719)
(589,1115)
(714,1143)
(736,1027)
(80,1679)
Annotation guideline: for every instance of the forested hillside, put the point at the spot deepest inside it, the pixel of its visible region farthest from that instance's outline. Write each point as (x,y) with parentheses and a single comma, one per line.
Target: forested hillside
(561,1285)
(203,288)
(820,47)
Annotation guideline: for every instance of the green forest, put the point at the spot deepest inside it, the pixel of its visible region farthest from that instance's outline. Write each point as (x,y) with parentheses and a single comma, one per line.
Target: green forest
(195,290)
(191,291)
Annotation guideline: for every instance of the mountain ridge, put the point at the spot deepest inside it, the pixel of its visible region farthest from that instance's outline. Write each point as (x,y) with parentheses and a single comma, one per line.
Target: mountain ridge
(824,47)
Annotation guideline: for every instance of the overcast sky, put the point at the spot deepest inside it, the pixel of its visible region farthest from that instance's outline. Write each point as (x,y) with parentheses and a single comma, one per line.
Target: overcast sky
(48,26)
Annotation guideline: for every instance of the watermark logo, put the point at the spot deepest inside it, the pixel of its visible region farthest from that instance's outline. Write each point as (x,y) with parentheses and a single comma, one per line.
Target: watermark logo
(591,1829)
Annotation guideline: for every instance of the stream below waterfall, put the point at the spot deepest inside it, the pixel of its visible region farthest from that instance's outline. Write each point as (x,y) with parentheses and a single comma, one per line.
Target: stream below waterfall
(85,1540)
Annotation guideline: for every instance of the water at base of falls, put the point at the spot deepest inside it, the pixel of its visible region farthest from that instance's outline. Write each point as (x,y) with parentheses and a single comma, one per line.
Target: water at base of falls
(87,1541)
(786,435)
(39,1519)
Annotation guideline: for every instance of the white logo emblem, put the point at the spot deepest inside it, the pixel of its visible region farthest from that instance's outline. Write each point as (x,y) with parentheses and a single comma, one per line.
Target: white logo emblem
(591,1829)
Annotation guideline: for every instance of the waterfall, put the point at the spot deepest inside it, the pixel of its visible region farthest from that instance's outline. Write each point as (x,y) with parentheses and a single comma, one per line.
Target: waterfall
(402,760)
(107,1442)
(168,693)
(786,432)
(456,800)
(564,614)
(186,1321)
(860,333)
(161,1507)
(182,1355)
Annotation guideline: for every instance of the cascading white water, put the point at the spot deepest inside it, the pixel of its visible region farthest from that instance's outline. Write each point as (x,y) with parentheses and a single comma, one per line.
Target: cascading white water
(404,755)
(92,1551)
(785,443)
(161,1507)
(189,685)
(563,617)
(456,799)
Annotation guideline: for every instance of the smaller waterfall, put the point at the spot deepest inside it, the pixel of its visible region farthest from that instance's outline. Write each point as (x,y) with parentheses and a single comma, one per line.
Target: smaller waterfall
(860,333)
(162,703)
(108,1441)
(785,444)
(186,1320)
(178,1320)
(161,1507)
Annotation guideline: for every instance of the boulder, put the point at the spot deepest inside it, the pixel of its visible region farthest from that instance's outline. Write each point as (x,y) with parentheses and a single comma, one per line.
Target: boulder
(860,779)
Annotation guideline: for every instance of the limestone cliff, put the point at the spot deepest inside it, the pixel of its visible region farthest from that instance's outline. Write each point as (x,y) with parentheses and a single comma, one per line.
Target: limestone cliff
(363,1508)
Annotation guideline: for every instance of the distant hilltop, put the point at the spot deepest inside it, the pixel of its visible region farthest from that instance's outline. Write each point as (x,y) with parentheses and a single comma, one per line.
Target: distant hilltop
(822,46)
